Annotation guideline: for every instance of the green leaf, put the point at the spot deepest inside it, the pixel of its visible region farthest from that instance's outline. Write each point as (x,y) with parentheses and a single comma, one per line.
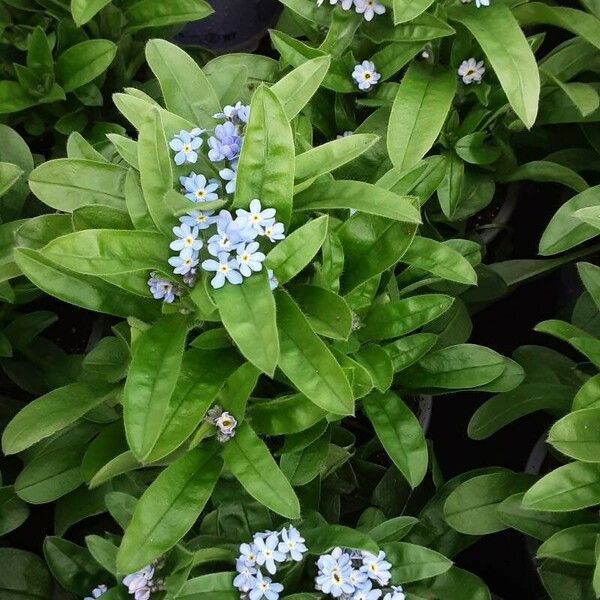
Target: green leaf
(13,511)
(326,537)
(266,165)
(570,487)
(360,196)
(455,367)
(83,62)
(574,545)
(328,157)
(51,413)
(471,507)
(248,314)
(151,381)
(440,259)
(418,113)
(180,78)
(109,359)
(214,586)
(302,466)
(108,251)
(392,530)
(590,276)
(169,507)
(308,363)
(379,365)
(577,435)
(454,583)
(408,350)
(147,13)
(103,551)
(296,251)
(399,317)
(547,171)
(407,10)
(9,175)
(588,395)
(589,215)
(284,415)
(251,463)
(413,563)
(400,432)
(509,54)
(295,89)
(85,10)
(24,576)
(565,230)
(424,28)
(66,184)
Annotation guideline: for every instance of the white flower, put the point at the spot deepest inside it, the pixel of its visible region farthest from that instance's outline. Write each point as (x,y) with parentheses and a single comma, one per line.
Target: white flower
(344,134)
(97,592)
(346,4)
(397,593)
(365,75)
(480,3)
(471,70)
(369,8)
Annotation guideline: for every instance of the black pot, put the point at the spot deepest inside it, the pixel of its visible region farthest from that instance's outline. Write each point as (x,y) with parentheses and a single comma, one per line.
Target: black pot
(235,26)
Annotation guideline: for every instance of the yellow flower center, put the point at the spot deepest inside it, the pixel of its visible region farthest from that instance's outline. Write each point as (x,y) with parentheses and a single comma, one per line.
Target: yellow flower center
(255,218)
(189,240)
(245,258)
(224,268)
(470,72)
(200,219)
(367,76)
(187,148)
(200,193)
(226,423)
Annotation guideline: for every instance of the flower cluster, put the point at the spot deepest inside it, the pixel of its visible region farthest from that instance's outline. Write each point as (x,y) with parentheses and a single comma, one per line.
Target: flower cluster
(367,8)
(365,75)
(97,592)
(162,289)
(143,582)
(356,576)
(223,421)
(267,551)
(471,70)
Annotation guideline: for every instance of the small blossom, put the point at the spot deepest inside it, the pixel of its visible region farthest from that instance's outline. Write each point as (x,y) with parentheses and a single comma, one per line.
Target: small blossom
(183,264)
(273,281)
(225,269)
(249,259)
(97,592)
(292,543)
(358,578)
(345,4)
(248,554)
(230,233)
(344,134)
(185,143)
(365,75)
(369,8)
(334,573)
(256,217)
(139,581)
(190,277)
(265,587)
(471,70)
(245,580)
(198,218)
(187,241)
(238,113)
(397,593)
(275,232)
(480,3)
(161,289)
(226,425)
(198,189)
(225,144)
(229,175)
(367,592)
(376,567)
(267,553)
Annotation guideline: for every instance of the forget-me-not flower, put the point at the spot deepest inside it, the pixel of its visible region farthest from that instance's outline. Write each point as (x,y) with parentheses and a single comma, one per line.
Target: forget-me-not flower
(230,234)
(249,259)
(274,232)
(265,587)
(183,263)
(225,424)
(366,592)
(292,543)
(198,218)
(273,281)
(376,567)
(238,113)
(140,583)
(198,189)
(345,4)
(248,554)
(358,578)
(365,75)
(97,592)
(229,175)
(471,70)
(185,143)
(161,289)
(187,241)
(334,573)
(267,552)
(397,593)
(256,216)
(224,269)
(245,580)
(368,8)
(225,144)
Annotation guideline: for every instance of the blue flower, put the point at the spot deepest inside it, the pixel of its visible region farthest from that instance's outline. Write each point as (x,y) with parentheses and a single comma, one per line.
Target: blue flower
(229,175)
(258,218)
(230,234)
(366,592)
(248,554)
(365,75)
(185,144)
(334,573)
(198,189)
(198,218)
(267,553)
(225,269)
(97,592)
(249,259)
(397,593)
(273,281)
(238,113)
(140,583)
(376,567)
(265,587)
(245,579)
(164,290)
(225,144)
(480,3)
(187,241)
(358,578)
(292,542)
(274,232)
(184,263)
